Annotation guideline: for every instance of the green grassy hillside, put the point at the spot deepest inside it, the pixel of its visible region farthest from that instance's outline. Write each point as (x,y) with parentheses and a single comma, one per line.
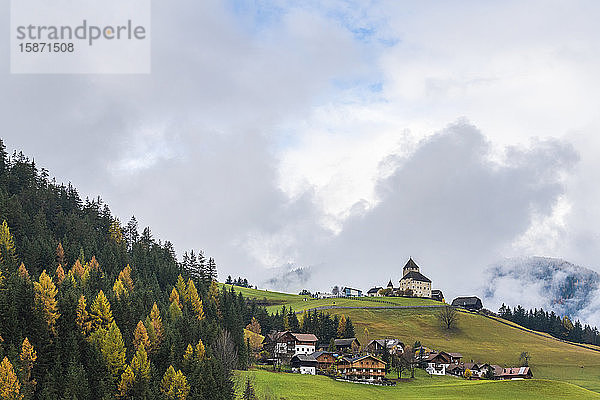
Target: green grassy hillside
(307,387)
(275,300)
(476,337)
(483,340)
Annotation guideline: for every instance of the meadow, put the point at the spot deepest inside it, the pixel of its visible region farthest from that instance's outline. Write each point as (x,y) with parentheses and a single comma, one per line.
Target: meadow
(273,385)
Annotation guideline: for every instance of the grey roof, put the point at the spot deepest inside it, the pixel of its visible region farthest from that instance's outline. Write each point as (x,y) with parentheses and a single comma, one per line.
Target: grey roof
(345,342)
(416,276)
(462,301)
(305,357)
(317,354)
(375,289)
(411,264)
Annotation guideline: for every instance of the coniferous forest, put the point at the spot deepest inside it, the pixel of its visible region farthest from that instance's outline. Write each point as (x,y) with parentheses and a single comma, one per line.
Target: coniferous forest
(91,308)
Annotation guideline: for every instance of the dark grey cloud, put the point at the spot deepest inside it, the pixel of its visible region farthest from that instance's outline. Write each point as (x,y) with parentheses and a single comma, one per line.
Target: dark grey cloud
(449,206)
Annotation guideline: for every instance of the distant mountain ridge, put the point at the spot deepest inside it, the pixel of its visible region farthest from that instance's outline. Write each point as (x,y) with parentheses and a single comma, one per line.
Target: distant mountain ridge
(551,283)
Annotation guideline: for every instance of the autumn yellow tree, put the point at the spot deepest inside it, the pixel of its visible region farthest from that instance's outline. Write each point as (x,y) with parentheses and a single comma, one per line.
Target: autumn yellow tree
(10,388)
(112,348)
(27,357)
(253,326)
(125,277)
(140,336)
(141,369)
(174,385)
(199,351)
(175,311)
(23,273)
(188,355)
(93,264)
(174,297)
(115,232)
(82,317)
(77,269)
(156,322)
(194,299)
(119,289)
(341,326)
(60,274)
(60,254)
(45,298)
(126,384)
(100,312)
(7,245)
(181,288)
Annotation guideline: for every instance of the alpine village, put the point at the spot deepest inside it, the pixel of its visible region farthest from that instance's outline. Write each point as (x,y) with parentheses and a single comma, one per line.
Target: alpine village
(94,308)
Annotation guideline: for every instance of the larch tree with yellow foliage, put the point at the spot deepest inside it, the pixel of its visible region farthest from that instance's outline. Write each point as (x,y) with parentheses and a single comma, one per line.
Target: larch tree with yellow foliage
(194,299)
(112,348)
(8,253)
(59,274)
(60,254)
(10,388)
(45,299)
(156,321)
(27,357)
(174,385)
(341,326)
(126,384)
(100,312)
(141,369)
(77,269)
(115,232)
(119,289)
(140,336)
(82,318)
(23,273)
(174,297)
(125,277)
(181,288)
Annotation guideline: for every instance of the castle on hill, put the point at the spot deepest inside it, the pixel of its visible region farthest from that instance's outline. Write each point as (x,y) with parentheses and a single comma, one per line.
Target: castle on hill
(413,284)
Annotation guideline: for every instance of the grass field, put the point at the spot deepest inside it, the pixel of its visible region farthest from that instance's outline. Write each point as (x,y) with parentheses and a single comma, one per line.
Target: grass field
(275,297)
(271,385)
(483,340)
(300,303)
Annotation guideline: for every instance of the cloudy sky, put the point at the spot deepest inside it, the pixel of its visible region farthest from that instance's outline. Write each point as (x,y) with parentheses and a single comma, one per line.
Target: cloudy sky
(341,137)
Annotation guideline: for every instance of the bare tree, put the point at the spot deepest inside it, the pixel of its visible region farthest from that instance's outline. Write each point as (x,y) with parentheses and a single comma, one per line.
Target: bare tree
(225,351)
(524,358)
(448,317)
(409,360)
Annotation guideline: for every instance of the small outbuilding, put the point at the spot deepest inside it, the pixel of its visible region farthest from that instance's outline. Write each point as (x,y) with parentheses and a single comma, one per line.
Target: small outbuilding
(472,303)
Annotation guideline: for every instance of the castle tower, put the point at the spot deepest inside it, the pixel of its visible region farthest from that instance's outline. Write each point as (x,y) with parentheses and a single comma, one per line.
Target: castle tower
(410,266)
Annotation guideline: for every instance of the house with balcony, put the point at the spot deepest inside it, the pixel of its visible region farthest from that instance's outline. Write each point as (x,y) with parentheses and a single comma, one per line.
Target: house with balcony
(362,368)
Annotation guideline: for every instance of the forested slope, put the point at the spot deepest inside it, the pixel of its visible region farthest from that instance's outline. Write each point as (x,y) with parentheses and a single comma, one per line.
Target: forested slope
(94,309)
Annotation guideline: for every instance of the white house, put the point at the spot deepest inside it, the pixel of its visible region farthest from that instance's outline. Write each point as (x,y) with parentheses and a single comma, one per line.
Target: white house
(304,364)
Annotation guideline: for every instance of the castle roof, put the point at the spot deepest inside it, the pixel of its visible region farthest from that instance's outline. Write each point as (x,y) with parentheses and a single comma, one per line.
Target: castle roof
(416,276)
(411,264)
